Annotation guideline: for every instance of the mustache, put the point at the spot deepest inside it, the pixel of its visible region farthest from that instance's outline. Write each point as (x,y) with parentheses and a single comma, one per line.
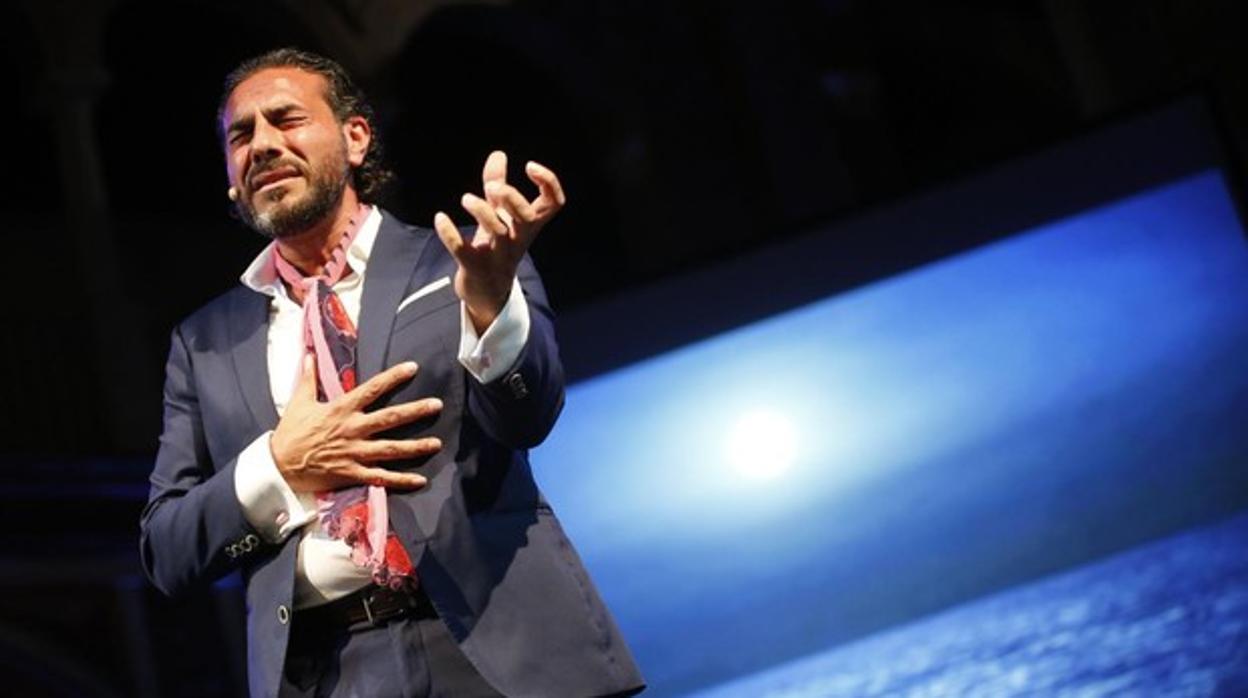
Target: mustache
(265,168)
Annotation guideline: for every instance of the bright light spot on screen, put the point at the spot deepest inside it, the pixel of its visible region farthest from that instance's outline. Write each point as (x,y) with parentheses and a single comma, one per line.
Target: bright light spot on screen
(762,444)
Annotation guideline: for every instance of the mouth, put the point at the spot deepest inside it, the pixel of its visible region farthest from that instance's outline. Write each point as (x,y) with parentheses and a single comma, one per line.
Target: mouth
(271,177)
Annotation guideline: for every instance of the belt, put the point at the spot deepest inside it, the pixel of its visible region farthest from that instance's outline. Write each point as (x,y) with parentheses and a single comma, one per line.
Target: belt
(369,607)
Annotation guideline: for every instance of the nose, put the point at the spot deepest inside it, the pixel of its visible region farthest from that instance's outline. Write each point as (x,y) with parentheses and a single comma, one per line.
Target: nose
(266,142)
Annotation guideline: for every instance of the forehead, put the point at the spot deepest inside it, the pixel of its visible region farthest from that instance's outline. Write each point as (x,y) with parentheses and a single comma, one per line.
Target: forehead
(276,87)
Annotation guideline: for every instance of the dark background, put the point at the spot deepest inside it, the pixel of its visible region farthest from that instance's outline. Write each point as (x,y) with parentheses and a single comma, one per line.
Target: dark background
(686,133)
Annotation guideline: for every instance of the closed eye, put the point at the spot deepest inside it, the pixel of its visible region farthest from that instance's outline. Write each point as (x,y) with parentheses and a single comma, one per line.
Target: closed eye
(239,131)
(285,116)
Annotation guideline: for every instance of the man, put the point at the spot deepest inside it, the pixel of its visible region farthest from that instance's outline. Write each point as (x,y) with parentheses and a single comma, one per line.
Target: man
(348,427)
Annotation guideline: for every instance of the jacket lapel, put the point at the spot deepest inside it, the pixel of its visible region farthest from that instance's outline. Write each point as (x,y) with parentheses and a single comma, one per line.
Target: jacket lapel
(391,265)
(249,328)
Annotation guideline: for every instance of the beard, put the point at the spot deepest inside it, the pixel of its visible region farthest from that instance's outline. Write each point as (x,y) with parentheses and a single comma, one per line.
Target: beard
(286,216)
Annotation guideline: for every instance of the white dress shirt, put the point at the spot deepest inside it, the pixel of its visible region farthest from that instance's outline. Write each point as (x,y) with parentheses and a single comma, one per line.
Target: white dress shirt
(324,570)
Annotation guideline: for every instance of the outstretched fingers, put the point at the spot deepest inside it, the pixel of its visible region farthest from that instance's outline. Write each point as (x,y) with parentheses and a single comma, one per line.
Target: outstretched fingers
(552,196)
(390,479)
(398,415)
(371,390)
(449,235)
(495,169)
(379,450)
(487,218)
(508,199)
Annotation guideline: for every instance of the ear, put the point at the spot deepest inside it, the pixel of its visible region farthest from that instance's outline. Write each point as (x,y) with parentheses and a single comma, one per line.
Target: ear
(358,135)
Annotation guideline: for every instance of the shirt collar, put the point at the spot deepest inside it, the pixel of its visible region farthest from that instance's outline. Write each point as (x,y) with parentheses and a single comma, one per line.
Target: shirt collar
(261,277)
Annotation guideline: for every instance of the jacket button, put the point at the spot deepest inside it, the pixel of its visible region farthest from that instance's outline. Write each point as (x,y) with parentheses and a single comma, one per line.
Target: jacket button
(518,389)
(283,615)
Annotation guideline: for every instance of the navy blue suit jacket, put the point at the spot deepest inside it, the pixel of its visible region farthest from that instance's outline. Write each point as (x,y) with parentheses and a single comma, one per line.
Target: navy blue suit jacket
(489,551)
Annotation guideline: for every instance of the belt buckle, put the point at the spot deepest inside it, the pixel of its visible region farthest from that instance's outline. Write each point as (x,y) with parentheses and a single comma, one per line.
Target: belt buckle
(368,609)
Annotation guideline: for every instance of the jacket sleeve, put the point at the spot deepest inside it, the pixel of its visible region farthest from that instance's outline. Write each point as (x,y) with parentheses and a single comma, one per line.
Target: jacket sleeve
(519,408)
(193,529)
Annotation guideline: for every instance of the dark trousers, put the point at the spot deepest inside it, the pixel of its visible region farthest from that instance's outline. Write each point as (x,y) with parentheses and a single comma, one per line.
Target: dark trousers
(406,658)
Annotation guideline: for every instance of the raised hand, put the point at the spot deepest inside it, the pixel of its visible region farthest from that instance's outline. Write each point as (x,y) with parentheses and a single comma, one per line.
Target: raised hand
(327,445)
(507,223)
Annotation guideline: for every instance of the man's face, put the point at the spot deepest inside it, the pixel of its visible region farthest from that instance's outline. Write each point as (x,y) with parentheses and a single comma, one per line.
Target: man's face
(287,155)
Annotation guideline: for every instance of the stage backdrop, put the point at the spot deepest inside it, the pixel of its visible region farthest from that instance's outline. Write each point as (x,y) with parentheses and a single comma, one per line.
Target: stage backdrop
(980,422)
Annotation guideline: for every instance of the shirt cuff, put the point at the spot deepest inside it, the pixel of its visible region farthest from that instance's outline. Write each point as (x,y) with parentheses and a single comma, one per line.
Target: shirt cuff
(269,505)
(490,356)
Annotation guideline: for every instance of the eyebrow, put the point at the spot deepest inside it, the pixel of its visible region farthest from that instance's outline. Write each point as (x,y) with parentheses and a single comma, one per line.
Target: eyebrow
(247,122)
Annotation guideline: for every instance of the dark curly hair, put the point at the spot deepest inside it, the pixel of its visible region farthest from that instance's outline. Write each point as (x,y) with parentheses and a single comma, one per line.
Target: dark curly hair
(345,99)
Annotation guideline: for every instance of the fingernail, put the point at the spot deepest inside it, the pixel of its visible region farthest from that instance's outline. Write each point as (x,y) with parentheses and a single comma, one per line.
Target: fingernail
(410,366)
(492,187)
(437,404)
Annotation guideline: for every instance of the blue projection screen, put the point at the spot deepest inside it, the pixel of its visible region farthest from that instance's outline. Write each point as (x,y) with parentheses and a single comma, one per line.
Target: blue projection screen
(972,425)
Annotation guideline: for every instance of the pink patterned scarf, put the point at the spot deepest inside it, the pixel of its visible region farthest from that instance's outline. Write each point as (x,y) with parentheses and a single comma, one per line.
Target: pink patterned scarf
(356,515)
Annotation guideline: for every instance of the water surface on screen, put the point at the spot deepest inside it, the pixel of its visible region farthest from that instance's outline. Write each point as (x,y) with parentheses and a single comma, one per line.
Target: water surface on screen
(1028,406)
